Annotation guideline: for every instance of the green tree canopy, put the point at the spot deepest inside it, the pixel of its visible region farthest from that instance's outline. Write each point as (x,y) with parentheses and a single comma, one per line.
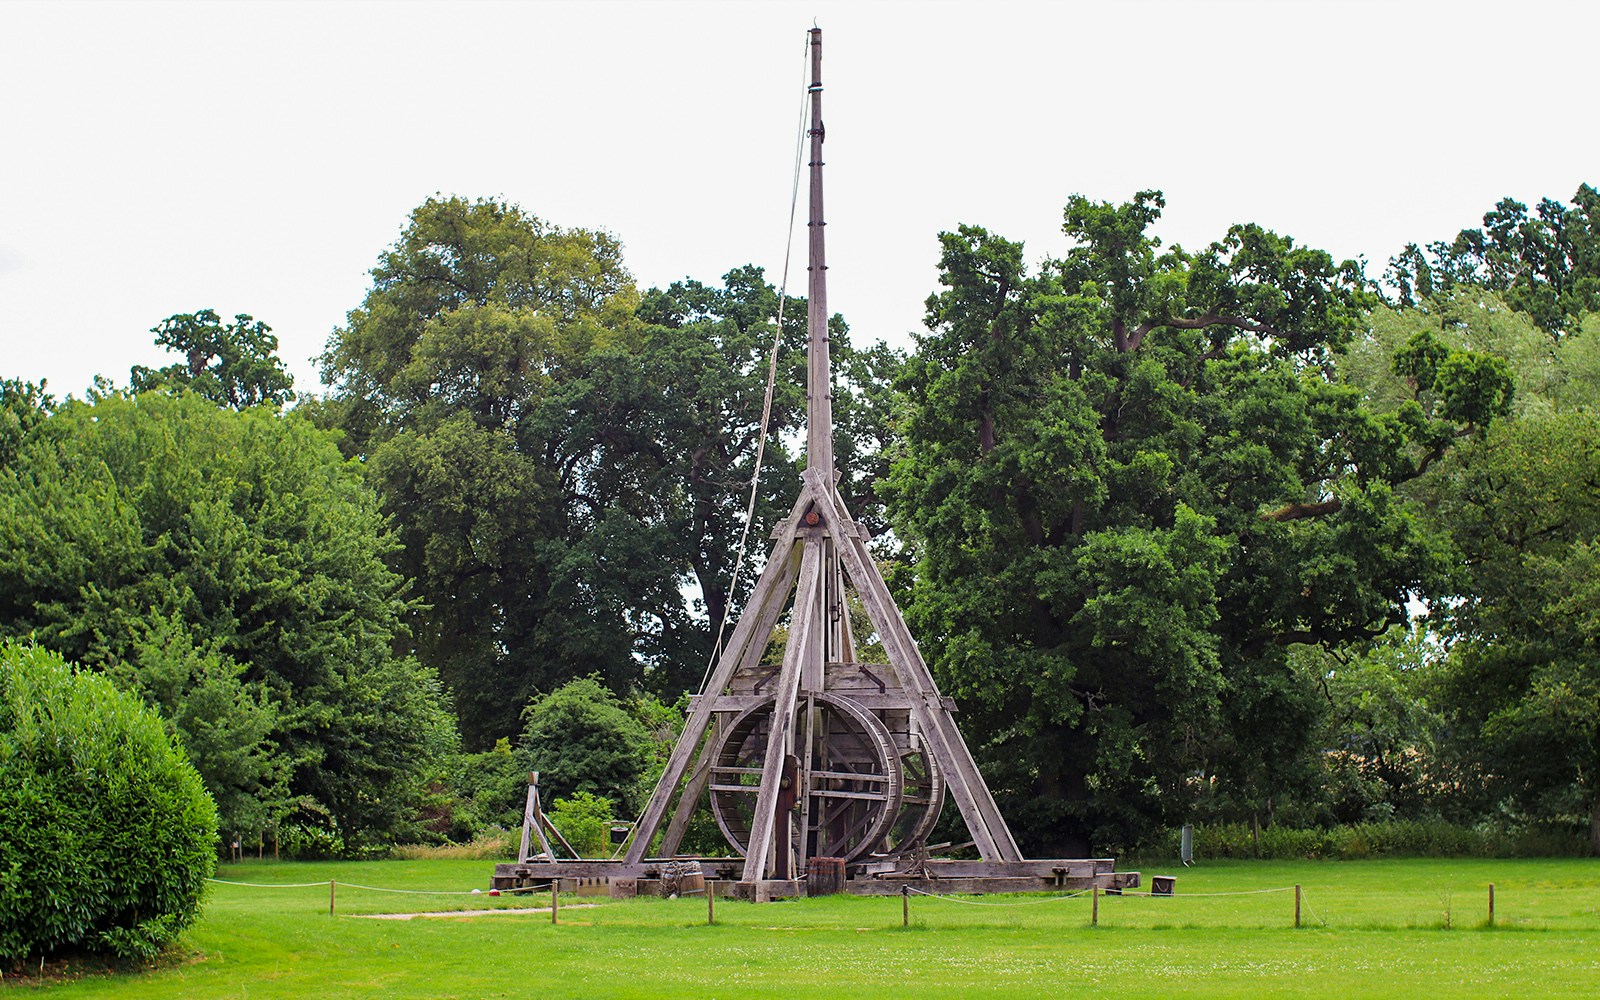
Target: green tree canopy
(230,567)
(1521,687)
(23,406)
(443,380)
(232,364)
(567,461)
(1510,674)
(582,739)
(1545,263)
(1132,486)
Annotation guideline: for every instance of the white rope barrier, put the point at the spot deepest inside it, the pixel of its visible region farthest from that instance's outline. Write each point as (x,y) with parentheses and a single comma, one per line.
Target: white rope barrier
(1190,895)
(1084,892)
(1314,914)
(909,892)
(270,885)
(981,902)
(376,888)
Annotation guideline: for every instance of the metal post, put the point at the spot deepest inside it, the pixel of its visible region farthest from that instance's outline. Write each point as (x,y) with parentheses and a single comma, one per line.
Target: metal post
(1297,904)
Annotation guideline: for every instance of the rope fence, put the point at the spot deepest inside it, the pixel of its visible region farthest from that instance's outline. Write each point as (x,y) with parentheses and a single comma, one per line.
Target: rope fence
(907,892)
(376,888)
(1299,897)
(333,891)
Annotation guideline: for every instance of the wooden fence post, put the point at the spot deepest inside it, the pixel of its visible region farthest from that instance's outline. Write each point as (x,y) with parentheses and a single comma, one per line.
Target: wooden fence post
(1094,911)
(711,902)
(331,885)
(1297,904)
(555,900)
(1491,904)
(905,906)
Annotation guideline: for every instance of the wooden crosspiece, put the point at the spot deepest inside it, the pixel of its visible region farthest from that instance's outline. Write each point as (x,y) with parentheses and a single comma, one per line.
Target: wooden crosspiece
(825,756)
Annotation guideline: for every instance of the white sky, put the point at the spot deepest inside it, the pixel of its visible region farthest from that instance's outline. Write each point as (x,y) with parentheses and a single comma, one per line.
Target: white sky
(162,158)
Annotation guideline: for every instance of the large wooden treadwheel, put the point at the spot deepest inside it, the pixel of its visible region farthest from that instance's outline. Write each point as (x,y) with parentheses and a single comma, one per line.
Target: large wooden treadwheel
(846,778)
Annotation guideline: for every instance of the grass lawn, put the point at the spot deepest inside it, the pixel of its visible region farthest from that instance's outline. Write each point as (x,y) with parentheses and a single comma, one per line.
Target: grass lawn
(1372,928)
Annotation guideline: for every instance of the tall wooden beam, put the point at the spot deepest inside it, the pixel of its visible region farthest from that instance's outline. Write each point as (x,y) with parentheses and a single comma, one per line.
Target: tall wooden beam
(766,824)
(819,553)
(819,381)
(988,828)
(766,618)
(773,587)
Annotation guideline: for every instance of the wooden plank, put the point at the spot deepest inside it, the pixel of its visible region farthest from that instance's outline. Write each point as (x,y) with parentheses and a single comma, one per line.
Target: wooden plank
(689,798)
(766,617)
(801,633)
(877,702)
(961,886)
(984,821)
(847,635)
(651,867)
(528,821)
(1031,868)
(819,380)
(772,587)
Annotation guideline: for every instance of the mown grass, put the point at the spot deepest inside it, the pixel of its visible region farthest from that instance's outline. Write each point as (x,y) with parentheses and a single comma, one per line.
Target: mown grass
(1372,928)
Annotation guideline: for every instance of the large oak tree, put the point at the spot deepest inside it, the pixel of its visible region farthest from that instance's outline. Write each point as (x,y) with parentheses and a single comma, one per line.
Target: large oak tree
(566,460)
(1132,485)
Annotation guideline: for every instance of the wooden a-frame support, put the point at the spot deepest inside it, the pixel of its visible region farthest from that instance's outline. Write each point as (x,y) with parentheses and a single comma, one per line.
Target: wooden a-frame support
(798,564)
(535,823)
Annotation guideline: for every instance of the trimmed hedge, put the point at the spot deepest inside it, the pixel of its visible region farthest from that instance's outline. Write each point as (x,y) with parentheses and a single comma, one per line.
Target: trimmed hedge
(1394,838)
(107,835)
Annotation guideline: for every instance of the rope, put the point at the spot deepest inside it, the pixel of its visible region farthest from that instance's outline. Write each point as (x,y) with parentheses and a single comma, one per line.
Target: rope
(412,892)
(772,379)
(268,885)
(1305,902)
(371,888)
(1084,892)
(1189,895)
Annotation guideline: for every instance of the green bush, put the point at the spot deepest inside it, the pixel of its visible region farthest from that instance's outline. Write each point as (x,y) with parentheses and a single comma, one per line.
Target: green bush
(581,738)
(585,820)
(107,835)
(1390,838)
(309,842)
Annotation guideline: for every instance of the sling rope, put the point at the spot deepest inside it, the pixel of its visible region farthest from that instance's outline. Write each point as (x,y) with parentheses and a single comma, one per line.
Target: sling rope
(772,379)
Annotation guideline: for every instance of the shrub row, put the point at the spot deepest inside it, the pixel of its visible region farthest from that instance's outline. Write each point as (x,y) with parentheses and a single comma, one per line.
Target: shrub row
(1390,838)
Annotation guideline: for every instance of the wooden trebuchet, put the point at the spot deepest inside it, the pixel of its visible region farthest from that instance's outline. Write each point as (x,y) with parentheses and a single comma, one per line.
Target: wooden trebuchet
(821,756)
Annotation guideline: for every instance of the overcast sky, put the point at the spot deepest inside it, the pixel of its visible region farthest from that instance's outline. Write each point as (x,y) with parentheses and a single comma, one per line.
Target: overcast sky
(163,158)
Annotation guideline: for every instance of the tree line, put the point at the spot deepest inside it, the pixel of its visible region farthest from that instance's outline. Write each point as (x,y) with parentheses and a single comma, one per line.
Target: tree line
(1235,533)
